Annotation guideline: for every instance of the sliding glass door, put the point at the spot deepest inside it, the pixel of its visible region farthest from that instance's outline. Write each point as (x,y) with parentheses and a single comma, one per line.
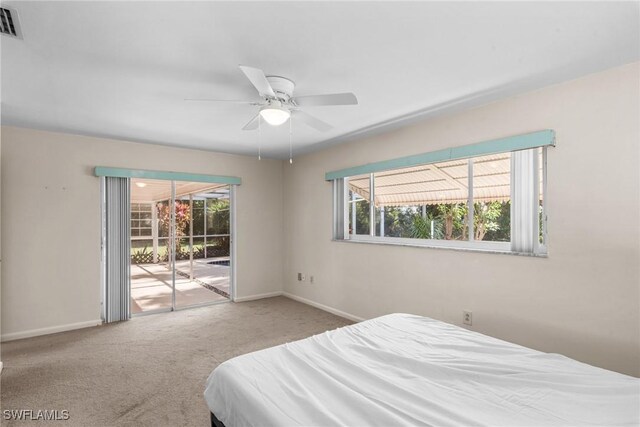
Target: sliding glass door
(203,243)
(180,244)
(151,269)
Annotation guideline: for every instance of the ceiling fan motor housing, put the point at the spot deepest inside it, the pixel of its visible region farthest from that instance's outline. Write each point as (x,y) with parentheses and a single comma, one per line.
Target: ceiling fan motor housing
(282,86)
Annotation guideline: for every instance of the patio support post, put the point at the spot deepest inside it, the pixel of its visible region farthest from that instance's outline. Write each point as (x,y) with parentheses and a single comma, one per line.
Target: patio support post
(470,206)
(424,211)
(191,237)
(381,221)
(206,207)
(353,213)
(372,206)
(172,245)
(154,231)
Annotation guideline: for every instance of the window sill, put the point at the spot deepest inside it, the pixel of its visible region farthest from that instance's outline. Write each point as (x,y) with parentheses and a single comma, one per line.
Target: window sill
(428,245)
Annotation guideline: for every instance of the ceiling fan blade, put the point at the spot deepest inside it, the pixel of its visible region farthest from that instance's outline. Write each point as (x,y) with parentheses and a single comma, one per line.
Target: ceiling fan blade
(252,124)
(230,101)
(258,79)
(311,121)
(329,99)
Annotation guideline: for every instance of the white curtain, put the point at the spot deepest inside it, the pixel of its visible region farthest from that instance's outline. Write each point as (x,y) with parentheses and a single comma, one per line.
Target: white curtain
(525,197)
(340,222)
(116,247)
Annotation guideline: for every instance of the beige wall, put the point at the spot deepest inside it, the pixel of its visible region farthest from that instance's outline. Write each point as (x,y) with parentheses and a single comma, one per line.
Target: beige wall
(51,222)
(581,301)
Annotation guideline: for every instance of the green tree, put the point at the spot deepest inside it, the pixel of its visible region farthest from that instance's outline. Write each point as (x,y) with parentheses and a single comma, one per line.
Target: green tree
(421,227)
(362,216)
(218,222)
(218,216)
(501,233)
(485,218)
(398,220)
(454,216)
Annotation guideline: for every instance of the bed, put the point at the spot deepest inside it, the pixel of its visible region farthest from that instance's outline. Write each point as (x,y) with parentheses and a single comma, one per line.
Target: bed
(403,369)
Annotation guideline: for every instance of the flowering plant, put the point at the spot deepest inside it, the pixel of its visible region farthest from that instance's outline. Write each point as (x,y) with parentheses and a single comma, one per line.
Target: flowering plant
(182,218)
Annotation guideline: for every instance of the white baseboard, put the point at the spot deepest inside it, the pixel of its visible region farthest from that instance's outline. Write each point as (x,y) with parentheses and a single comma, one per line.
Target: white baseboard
(324,307)
(50,330)
(304,301)
(258,296)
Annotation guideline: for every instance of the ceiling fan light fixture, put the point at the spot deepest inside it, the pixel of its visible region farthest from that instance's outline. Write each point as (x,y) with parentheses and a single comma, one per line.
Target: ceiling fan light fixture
(275,114)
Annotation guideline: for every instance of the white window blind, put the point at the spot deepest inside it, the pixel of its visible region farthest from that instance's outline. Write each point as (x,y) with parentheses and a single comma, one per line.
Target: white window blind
(525,196)
(116,246)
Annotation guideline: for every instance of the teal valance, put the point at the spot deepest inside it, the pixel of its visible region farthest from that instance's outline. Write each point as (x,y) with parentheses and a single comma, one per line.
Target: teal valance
(169,176)
(512,143)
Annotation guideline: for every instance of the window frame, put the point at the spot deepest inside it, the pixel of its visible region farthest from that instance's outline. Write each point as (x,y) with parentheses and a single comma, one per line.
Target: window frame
(138,228)
(342,201)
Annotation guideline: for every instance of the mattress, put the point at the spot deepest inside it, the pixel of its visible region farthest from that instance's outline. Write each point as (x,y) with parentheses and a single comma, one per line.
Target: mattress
(403,369)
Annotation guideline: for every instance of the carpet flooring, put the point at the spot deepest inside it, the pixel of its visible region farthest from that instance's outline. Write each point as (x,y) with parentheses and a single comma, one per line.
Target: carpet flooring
(151,370)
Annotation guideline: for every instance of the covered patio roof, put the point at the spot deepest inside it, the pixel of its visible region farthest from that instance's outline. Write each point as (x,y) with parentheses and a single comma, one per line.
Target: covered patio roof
(438,183)
(151,190)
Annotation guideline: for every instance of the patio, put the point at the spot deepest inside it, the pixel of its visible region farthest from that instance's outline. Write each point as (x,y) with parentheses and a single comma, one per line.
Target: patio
(151,284)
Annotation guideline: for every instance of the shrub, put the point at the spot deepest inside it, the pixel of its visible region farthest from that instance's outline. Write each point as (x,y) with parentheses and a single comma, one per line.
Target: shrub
(145,256)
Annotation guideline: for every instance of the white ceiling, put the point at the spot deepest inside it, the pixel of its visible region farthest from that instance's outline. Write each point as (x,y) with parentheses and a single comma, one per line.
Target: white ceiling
(122,69)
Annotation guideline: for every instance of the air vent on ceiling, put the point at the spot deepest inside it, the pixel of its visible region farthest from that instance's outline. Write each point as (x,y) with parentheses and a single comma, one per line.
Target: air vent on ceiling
(9,23)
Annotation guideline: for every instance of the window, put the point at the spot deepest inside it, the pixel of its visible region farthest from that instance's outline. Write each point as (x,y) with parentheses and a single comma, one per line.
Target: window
(141,220)
(359,208)
(488,202)
(492,198)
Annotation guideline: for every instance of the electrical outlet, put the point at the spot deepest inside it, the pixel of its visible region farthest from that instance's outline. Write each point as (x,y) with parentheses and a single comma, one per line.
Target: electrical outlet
(311,279)
(301,277)
(467,318)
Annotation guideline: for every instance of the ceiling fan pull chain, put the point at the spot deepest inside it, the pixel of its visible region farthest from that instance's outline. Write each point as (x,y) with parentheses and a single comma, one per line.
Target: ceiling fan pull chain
(259,139)
(290,145)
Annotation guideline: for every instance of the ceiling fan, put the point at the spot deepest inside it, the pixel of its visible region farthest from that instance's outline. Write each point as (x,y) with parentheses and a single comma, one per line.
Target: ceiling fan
(278,103)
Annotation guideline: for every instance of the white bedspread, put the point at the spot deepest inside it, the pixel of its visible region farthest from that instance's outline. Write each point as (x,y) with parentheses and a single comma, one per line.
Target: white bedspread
(409,370)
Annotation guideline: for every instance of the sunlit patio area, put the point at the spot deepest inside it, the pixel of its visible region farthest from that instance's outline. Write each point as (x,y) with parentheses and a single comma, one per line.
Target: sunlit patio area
(151,284)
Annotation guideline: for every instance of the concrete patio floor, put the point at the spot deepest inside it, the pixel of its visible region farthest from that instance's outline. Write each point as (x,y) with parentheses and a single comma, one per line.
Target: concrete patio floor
(151,284)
